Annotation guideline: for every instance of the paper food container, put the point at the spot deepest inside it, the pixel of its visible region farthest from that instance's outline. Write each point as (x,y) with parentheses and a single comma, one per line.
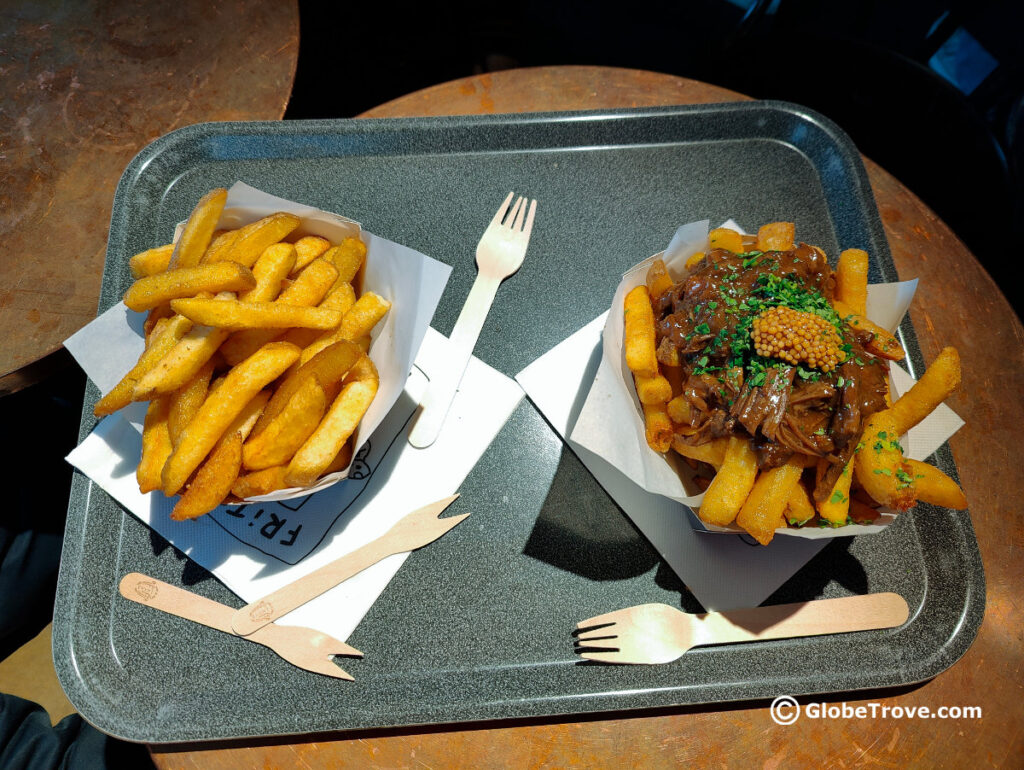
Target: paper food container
(411,281)
(611,423)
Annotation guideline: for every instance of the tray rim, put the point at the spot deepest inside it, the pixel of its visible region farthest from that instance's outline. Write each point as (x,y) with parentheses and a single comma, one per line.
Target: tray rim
(70,571)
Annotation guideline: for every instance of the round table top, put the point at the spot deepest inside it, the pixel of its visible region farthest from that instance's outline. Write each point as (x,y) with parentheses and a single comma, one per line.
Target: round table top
(957,303)
(89,84)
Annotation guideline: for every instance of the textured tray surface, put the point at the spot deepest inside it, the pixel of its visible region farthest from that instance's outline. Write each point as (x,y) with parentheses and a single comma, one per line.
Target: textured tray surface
(481,628)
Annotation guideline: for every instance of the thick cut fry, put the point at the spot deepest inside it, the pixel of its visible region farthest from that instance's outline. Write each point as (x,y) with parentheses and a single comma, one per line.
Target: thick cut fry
(762,511)
(639,333)
(799,509)
(181,363)
(879,465)
(212,482)
(653,390)
(121,394)
(348,256)
(852,280)
(341,460)
(309,248)
(273,266)
(731,485)
(320,449)
(220,246)
(152,290)
(307,290)
(156,445)
(287,431)
(935,386)
(340,298)
(658,279)
(151,261)
(221,407)
(359,320)
(198,230)
(882,344)
(835,508)
(726,238)
(935,487)
(776,236)
(712,452)
(328,367)
(259,482)
(251,240)
(185,401)
(160,312)
(235,316)
(658,427)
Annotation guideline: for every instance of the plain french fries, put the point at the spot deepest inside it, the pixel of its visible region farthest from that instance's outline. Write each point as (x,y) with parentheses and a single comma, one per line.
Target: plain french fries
(151,261)
(731,485)
(321,448)
(852,280)
(641,356)
(307,290)
(185,402)
(198,230)
(250,241)
(233,315)
(121,394)
(762,511)
(328,366)
(936,385)
(221,407)
(348,256)
(152,290)
(282,437)
(259,482)
(224,376)
(309,248)
(220,246)
(273,266)
(156,445)
(213,480)
(358,321)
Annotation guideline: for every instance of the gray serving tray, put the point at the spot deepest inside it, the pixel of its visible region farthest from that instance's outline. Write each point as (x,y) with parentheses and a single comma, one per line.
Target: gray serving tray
(479,628)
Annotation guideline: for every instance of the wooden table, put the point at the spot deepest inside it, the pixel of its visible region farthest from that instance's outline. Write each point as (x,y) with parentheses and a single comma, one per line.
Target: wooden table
(957,303)
(83,87)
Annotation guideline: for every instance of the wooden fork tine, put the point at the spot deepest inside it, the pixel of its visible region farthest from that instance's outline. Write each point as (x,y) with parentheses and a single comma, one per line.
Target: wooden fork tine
(520,214)
(604,632)
(602,657)
(514,214)
(529,219)
(502,209)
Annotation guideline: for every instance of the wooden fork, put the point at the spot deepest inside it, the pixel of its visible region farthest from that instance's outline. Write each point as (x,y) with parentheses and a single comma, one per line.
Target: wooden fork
(658,633)
(499,254)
